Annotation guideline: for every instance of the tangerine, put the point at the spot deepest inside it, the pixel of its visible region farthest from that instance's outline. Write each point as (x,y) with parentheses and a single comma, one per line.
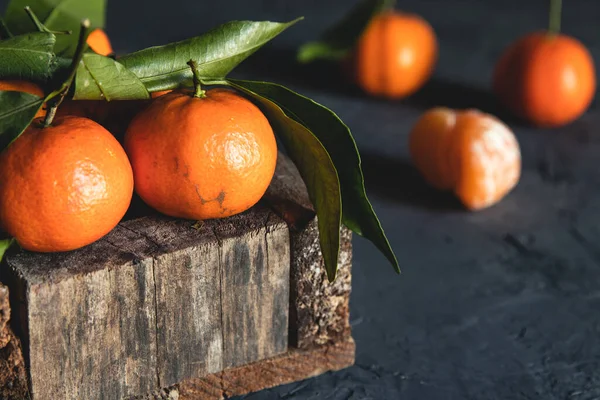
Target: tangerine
(63,186)
(99,42)
(201,158)
(395,55)
(547,79)
(470,152)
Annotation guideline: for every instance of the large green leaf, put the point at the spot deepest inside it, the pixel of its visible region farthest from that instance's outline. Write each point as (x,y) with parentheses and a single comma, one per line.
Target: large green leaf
(358,214)
(317,171)
(216,52)
(28,57)
(338,41)
(57,15)
(102,78)
(17,110)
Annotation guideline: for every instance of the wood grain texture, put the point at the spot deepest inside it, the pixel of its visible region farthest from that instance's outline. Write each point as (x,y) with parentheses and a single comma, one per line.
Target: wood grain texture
(13,377)
(293,366)
(254,268)
(319,310)
(160,300)
(156,301)
(4,315)
(86,332)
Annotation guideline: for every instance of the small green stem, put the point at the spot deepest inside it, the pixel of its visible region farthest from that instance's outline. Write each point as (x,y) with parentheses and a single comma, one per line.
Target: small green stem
(55,98)
(41,27)
(4,31)
(555,16)
(198,92)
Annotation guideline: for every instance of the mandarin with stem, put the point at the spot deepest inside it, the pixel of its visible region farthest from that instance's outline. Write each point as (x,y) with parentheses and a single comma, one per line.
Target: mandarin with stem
(63,186)
(201,155)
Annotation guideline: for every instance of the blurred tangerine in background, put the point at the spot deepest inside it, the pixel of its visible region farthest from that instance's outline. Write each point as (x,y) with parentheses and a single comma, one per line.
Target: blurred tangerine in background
(546,79)
(99,42)
(395,55)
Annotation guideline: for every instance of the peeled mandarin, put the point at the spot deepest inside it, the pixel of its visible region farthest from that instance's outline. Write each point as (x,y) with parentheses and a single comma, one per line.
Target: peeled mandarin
(487,157)
(472,153)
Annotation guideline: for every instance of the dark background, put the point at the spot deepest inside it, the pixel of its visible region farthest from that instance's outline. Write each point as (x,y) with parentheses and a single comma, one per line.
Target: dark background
(499,304)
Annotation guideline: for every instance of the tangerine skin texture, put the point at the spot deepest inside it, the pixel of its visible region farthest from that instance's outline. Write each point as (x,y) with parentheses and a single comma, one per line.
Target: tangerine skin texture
(99,42)
(201,158)
(428,146)
(545,79)
(469,152)
(24,86)
(395,55)
(64,186)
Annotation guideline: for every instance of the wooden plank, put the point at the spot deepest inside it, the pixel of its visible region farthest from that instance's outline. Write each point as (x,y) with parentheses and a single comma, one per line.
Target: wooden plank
(319,310)
(189,314)
(254,271)
(83,331)
(154,302)
(295,365)
(13,378)
(292,366)
(4,315)
(13,375)
(162,300)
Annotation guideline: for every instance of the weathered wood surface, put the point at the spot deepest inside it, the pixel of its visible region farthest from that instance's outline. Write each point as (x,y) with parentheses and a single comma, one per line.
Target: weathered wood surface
(155,302)
(319,310)
(160,300)
(13,378)
(295,365)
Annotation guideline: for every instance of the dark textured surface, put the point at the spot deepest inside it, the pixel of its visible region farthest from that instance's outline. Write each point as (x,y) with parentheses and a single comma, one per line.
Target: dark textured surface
(499,304)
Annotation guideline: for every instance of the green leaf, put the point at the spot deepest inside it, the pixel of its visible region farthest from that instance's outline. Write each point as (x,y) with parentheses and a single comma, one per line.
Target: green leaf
(216,52)
(5,245)
(102,78)
(56,15)
(315,167)
(27,57)
(17,110)
(358,213)
(338,41)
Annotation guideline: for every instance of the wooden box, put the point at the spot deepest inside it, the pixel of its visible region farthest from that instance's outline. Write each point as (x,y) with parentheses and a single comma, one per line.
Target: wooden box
(165,308)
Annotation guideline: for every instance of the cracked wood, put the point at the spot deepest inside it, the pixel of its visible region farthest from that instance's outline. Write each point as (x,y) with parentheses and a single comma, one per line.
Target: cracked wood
(153,303)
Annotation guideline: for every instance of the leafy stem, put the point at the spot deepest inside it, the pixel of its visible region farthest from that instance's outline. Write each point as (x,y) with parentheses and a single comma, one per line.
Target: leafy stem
(198,92)
(56,97)
(555,16)
(40,26)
